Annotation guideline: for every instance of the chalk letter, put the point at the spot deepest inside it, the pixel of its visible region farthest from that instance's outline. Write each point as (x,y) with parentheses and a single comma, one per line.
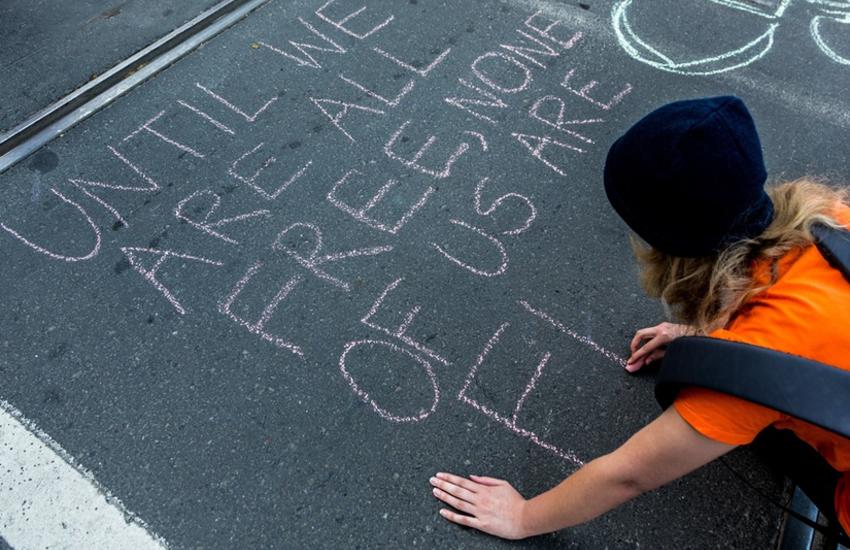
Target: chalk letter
(252,180)
(526,51)
(388,102)
(344,108)
(234,108)
(511,422)
(364,396)
(414,162)
(503,266)
(421,72)
(207,117)
(146,127)
(546,31)
(340,24)
(150,274)
(91,254)
(308,60)
(205,224)
(537,144)
(361,214)
(401,331)
(258,327)
(505,89)
(585,90)
(313,261)
(532,214)
(557,121)
(462,102)
(150,186)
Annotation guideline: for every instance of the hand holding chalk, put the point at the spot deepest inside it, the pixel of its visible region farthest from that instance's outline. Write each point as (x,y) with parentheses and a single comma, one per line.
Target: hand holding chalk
(489,505)
(649,343)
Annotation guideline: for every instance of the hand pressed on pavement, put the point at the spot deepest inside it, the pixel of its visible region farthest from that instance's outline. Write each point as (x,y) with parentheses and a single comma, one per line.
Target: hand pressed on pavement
(489,505)
(649,343)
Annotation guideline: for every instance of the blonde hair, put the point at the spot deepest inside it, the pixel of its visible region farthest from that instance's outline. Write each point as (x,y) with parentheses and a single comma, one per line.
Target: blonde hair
(705,292)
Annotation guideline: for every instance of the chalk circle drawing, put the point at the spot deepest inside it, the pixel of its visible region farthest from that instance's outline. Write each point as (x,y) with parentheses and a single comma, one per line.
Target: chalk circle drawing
(366,398)
(821,35)
(774,14)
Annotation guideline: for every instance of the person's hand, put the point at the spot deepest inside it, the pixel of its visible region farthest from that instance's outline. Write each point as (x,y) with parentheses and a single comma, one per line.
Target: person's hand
(650,343)
(488,504)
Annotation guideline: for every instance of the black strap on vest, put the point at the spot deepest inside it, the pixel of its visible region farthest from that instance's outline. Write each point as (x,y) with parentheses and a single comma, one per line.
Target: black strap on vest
(805,389)
(834,246)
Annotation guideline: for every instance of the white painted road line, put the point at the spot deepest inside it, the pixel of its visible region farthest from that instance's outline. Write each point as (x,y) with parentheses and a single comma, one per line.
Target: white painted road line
(49,501)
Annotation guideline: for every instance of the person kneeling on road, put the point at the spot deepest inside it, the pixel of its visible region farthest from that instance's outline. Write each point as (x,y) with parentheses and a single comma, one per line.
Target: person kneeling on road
(731,259)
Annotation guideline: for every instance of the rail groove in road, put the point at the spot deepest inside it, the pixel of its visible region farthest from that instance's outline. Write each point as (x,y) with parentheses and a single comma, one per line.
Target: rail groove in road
(29,136)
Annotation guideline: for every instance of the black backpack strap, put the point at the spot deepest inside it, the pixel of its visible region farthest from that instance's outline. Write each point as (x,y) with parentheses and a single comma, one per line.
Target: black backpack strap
(834,245)
(805,389)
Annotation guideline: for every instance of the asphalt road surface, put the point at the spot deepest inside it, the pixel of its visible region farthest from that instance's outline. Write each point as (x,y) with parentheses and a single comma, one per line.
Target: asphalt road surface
(263,297)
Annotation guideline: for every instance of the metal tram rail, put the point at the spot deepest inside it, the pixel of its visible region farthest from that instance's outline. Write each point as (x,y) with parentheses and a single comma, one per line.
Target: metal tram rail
(42,127)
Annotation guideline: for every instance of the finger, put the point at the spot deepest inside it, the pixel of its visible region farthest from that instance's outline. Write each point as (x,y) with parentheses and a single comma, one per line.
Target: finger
(645,349)
(453,489)
(489,481)
(640,335)
(457,480)
(655,356)
(452,501)
(461,519)
(642,362)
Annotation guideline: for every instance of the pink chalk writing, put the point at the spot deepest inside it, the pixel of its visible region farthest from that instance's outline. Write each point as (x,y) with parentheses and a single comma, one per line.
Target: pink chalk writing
(108,207)
(206,117)
(503,265)
(413,163)
(527,52)
(307,60)
(364,396)
(558,121)
(362,214)
(251,181)
(234,108)
(258,327)
(611,356)
(82,184)
(423,72)
(392,103)
(401,331)
(546,32)
(538,144)
(207,226)
(343,109)
(313,261)
(532,210)
(510,423)
(152,185)
(466,104)
(480,137)
(133,256)
(538,372)
(484,76)
(56,256)
(146,127)
(340,23)
(585,90)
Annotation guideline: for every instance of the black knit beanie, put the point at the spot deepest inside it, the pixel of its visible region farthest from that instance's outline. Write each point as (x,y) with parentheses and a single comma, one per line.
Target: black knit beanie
(689,177)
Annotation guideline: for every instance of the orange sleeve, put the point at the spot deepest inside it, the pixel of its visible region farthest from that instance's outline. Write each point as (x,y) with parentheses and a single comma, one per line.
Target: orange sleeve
(722,417)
